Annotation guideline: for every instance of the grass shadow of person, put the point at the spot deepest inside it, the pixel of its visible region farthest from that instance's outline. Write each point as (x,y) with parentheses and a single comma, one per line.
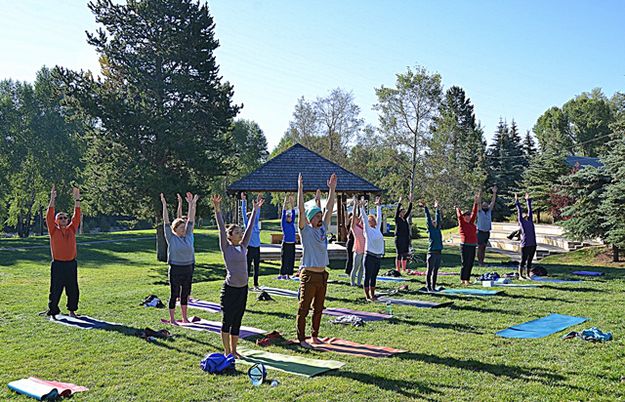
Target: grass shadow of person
(462,328)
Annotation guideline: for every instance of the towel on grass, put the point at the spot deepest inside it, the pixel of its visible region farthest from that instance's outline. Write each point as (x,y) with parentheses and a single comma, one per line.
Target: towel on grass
(288,363)
(44,390)
(593,334)
(280,292)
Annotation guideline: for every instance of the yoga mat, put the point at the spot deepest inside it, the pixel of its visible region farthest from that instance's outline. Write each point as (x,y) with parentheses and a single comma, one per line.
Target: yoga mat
(588,273)
(205,305)
(352,348)
(287,363)
(413,303)
(382,278)
(83,322)
(541,327)
(553,280)
(41,389)
(469,292)
(423,273)
(514,285)
(364,315)
(200,324)
(280,292)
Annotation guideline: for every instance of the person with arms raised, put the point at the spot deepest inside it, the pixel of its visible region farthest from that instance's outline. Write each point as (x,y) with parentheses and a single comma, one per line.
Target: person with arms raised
(64,267)
(468,239)
(313,227)
(528,236)
(233,244)
(374,247)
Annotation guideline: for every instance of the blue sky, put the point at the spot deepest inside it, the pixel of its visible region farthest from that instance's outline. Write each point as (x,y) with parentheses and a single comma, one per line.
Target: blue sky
(514,59)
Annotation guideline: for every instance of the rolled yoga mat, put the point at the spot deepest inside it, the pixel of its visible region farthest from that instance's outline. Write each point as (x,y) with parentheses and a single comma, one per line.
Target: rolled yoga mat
(352,348)
(413,303)
(200,324)
(541,327)
(289,364)
(364,315)
(280,292)
(42,389)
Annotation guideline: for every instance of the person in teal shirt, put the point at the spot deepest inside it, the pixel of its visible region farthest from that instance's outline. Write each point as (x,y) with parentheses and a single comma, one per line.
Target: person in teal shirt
(435,248)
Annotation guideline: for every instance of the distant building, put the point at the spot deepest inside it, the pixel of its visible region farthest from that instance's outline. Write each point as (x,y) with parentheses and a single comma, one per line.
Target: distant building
(582,161)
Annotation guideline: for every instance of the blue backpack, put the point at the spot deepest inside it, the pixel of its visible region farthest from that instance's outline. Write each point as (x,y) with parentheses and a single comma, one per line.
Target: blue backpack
(217,363)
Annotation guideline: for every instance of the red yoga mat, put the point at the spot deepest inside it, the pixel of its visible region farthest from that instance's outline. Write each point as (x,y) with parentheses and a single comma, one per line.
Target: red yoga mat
(355,349)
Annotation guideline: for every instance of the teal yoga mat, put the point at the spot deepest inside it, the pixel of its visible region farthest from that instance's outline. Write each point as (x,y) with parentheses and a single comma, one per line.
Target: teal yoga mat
(287,363)
(470,292)
(541,327)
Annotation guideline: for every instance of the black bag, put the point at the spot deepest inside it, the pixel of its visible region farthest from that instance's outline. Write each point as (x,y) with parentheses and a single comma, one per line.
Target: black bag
(264,296)
(539,270)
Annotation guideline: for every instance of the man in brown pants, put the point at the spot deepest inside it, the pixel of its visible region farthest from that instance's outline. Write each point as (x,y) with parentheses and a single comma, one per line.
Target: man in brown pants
(313,226)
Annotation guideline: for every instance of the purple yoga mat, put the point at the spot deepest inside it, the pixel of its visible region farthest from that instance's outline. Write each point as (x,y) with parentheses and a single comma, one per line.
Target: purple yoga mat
(588,273)
(199,324)
(205,305)
(364,315)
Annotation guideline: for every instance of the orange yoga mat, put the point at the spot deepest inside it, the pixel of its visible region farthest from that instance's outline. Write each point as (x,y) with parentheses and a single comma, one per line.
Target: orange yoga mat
(352,348)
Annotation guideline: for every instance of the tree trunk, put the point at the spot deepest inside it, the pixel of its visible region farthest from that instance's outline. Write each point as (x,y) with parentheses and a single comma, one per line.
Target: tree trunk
(161,244)
(615,253)
(40,221)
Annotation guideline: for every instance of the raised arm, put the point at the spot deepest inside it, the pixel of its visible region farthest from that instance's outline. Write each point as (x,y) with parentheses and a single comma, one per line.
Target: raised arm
(474,210)
(223,237)
(409,210)
(439,216)
(378,207)
(365,225)
(492,201)
(428,217)
(318,198)
(165,214)
(250,225)
(301,216)
(354,213)
(458,214)
(519,211)
(244,210)
(179,208)
(398,209)
(528,200)
(75,223)
(50,213)
(327,217)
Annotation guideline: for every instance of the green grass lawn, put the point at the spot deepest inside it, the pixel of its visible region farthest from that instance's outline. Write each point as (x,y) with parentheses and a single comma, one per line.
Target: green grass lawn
(453,352)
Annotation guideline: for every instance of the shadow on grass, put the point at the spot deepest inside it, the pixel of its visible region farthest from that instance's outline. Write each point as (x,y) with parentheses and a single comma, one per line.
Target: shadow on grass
(499,370)
(481,309)
(202,273)
(273,313)
(407,389)
(517,296)
(439,325)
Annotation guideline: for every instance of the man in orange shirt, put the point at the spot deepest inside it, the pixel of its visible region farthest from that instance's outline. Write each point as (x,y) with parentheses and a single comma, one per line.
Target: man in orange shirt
(64,269)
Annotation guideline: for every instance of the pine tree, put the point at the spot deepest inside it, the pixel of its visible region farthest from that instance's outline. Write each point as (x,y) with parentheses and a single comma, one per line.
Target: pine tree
(529,146)
(612,207)
(542,179)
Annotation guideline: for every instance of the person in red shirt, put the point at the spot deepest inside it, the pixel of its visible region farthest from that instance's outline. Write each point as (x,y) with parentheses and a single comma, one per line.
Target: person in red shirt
(468,239)
(64,268)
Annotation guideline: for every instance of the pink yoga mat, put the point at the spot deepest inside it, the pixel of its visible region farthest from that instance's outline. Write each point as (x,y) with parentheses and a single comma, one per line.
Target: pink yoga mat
(364,315)
(355,349)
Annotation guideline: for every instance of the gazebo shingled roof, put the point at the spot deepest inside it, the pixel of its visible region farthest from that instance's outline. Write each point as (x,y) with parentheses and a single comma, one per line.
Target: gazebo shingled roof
(280,173)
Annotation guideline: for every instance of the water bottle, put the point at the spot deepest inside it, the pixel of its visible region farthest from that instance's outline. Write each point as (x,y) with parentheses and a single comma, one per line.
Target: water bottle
(275,383)
(389,307)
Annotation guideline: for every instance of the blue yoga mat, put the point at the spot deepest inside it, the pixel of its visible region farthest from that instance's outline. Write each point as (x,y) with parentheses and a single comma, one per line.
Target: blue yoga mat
(470,292)
(541,327)
(553,280)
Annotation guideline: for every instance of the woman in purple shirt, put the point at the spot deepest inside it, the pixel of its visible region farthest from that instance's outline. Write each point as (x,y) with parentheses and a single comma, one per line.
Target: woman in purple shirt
(233,244)
(287,252)
(528,236)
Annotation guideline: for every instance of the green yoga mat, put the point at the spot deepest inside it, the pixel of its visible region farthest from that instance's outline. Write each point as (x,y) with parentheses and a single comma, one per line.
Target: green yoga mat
(287,363)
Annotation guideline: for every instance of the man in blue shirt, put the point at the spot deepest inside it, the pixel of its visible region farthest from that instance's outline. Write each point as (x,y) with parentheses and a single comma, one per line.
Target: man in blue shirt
(253,249)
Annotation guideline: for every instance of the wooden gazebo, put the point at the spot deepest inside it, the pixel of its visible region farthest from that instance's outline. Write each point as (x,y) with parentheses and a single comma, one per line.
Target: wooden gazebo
(280,174)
